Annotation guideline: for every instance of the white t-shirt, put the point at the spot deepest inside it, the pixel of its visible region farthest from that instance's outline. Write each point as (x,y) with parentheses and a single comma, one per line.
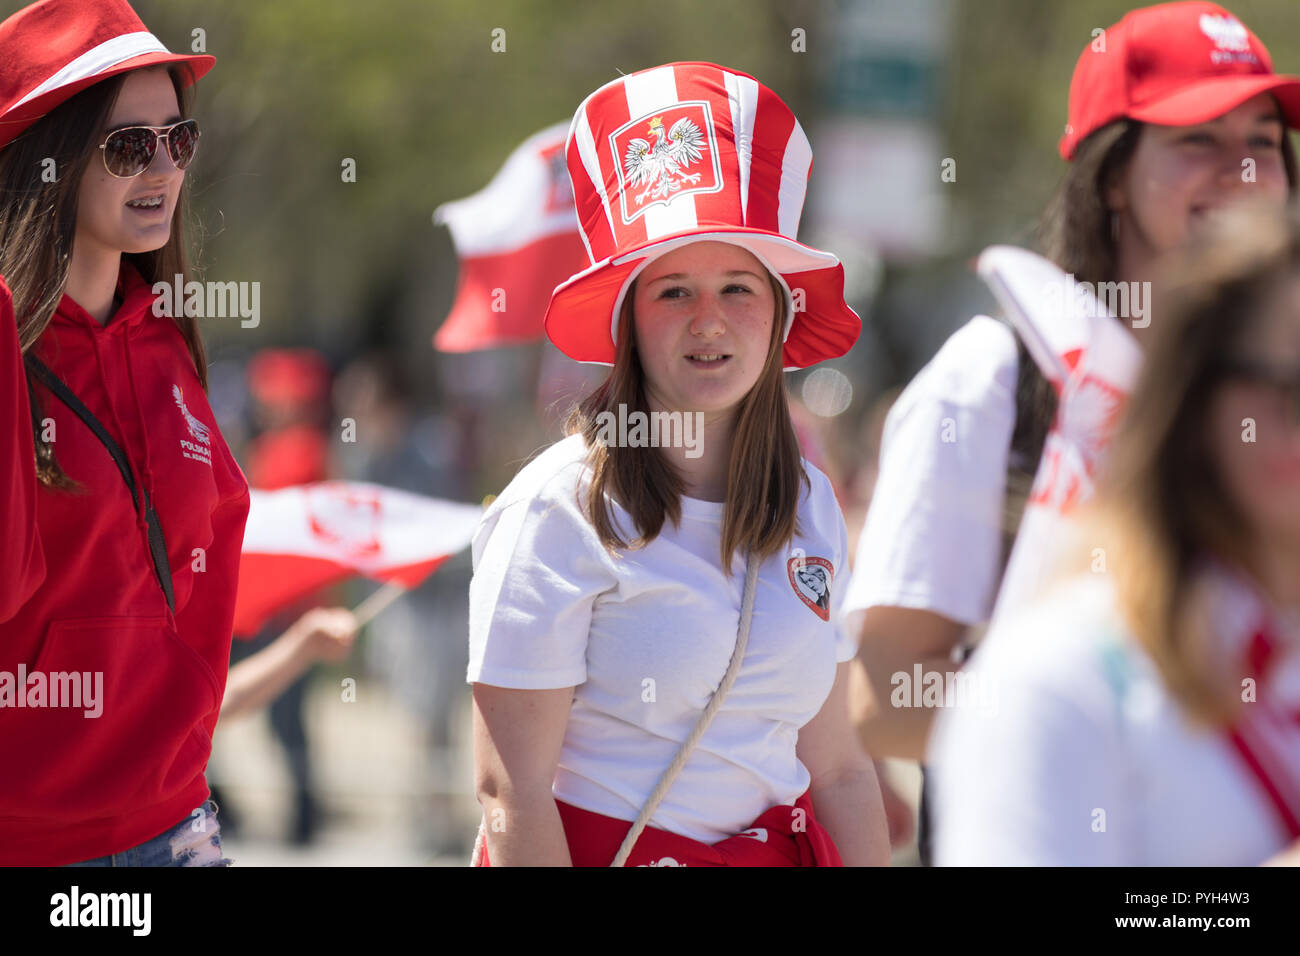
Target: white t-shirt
(933,534)
(646,637)
(1081,725)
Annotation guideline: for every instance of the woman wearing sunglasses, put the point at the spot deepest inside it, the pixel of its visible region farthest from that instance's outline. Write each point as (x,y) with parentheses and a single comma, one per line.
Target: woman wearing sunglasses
(123,509)
(1174,114)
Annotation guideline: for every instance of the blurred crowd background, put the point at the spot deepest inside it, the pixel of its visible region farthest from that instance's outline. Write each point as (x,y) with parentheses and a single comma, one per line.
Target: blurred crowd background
(934,126)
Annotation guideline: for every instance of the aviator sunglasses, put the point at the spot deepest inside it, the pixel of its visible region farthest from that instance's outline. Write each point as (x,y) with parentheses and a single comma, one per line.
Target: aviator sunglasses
(129,152)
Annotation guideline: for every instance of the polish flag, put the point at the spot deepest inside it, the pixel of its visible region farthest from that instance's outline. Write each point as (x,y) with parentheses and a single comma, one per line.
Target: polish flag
(517,240)
(1092,361)
(306,537)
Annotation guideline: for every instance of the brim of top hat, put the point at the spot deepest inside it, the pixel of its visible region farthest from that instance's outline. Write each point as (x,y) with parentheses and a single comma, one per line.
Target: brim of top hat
(582,318)
(14,121)
(1209,99)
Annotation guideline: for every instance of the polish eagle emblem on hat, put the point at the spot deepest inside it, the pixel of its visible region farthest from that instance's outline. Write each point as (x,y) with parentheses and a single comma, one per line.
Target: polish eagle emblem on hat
(664,155)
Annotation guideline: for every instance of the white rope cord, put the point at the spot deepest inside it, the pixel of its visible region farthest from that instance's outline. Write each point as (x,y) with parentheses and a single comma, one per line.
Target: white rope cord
(480,842)
(715,703)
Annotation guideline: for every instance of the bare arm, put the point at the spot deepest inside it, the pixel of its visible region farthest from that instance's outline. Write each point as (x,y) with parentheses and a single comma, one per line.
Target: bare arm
(517,740)
(845,791)
(893,640)
(320,634)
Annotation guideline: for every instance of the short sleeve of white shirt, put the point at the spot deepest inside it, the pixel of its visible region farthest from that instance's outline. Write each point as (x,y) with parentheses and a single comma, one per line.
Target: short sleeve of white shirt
(538,568)
(933,534)
(646,636)
(1064,748)
(846,639)
(1020,767)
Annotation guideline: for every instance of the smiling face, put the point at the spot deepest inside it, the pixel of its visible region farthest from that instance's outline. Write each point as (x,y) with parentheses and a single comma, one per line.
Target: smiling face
(704,316)
(109,218)
(1179,176)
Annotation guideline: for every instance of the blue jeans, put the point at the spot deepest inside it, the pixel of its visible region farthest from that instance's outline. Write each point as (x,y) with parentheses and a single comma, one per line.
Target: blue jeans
(195,841)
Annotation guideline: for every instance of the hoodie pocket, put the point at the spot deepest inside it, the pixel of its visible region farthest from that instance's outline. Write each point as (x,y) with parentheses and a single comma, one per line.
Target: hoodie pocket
(115,730)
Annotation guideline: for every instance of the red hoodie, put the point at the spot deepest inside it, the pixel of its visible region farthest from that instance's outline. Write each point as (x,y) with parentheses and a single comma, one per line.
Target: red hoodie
(78,591)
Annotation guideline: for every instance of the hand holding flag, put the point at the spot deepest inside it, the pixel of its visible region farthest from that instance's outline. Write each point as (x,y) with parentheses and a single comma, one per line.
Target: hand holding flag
(303,538)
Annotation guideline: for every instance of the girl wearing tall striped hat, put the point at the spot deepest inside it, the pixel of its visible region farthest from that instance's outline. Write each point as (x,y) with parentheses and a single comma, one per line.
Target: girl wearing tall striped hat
(659,673)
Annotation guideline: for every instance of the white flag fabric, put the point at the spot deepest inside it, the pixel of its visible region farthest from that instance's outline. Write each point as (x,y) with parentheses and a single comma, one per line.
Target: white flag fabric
(305,537)
(517,239)
(1092,361)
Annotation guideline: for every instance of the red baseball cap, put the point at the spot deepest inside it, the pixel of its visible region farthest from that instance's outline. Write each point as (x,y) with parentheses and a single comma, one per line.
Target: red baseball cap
(1174,64)
(54,49)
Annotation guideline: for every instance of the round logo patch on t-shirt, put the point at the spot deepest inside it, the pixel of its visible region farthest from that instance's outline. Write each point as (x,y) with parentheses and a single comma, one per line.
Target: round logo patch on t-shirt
(811,579)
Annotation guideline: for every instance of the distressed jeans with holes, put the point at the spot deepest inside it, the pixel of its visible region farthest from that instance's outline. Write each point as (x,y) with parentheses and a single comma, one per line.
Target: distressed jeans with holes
(195,841)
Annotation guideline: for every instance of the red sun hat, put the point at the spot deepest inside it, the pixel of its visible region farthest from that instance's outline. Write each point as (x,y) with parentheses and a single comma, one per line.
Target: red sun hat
(1174,64)
(692,152)
(54,49)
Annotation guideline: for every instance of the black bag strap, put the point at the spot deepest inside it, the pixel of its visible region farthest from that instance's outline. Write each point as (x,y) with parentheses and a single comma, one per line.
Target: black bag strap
(157,544)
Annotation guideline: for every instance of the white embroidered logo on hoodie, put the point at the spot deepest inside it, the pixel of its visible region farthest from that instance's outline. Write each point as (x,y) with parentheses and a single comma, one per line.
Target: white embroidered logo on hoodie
(199,431)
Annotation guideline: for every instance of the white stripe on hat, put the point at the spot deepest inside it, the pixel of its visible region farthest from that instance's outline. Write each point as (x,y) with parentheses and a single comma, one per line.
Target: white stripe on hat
(794,181)
(742,95)
(100,59)
(581,134)
(646,93)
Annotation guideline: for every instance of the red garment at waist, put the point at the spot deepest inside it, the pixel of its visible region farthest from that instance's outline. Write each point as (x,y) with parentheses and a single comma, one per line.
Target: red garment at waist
(781,836)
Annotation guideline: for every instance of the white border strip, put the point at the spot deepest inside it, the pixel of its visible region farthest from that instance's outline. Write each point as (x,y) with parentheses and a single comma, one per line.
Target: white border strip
(99,60)
(742,95)
(795,166)
(586,143)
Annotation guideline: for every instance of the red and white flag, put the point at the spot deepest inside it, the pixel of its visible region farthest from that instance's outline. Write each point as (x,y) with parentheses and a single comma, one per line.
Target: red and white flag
(306,537)
(1092,361)
(517,240)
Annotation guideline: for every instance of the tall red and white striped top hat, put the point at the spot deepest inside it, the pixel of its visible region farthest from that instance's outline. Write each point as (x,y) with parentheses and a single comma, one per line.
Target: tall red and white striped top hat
(690,152)
(54,49)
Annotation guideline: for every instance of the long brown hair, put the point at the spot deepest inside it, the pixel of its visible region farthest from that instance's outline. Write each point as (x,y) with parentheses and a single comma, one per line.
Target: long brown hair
(1162,506)
(38,222)
(1075,232)
(763,475)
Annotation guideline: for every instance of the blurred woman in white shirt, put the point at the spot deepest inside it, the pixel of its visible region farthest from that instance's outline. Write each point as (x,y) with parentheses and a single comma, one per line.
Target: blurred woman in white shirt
(1148,709)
